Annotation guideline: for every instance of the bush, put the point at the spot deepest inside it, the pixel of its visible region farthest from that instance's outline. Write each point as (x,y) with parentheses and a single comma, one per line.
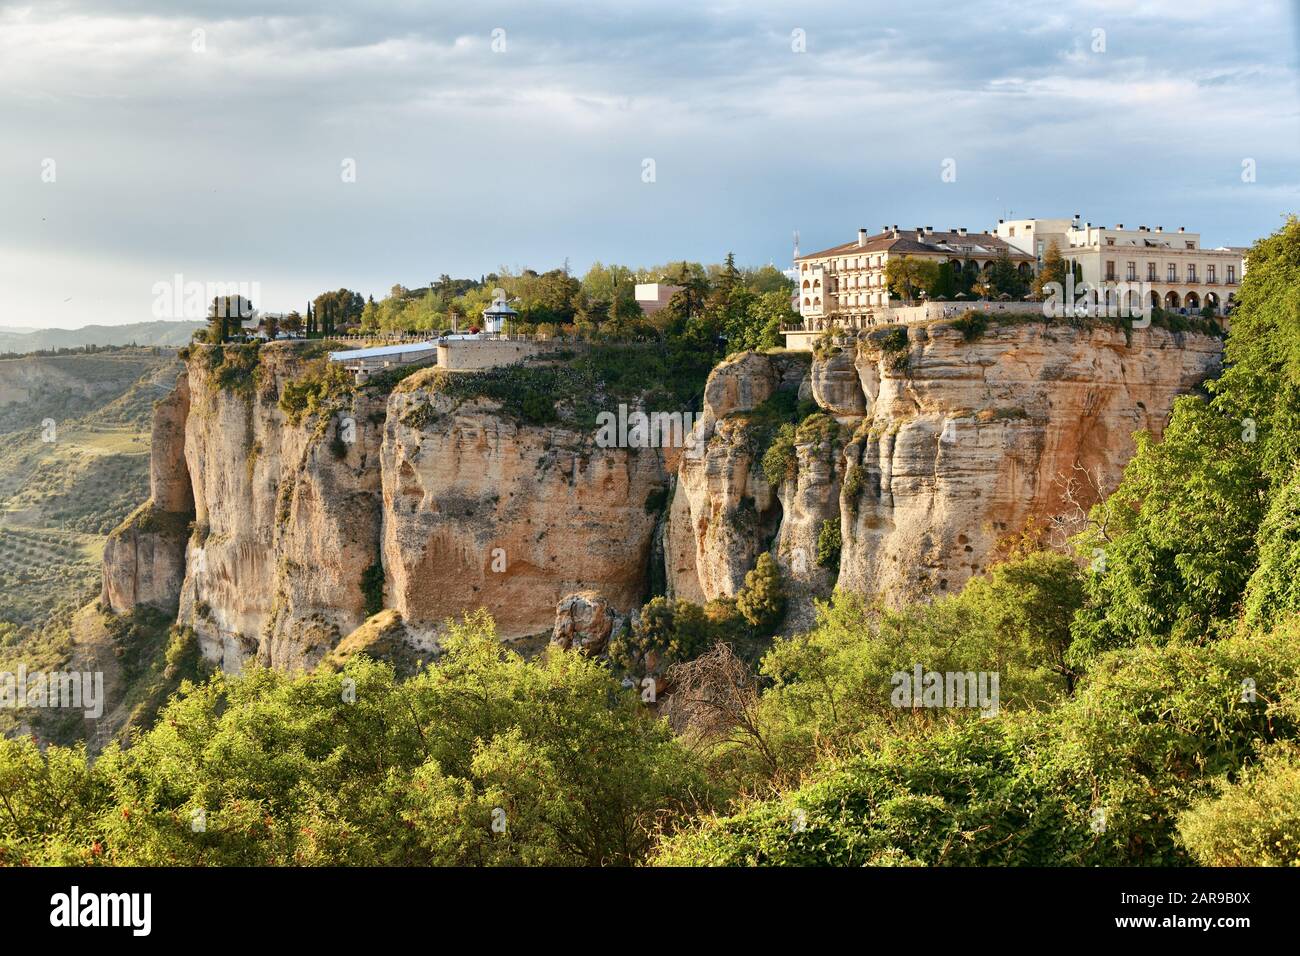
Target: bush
(309,770)
(829,543)
(1252,822)
(779,460)
(761,601)
(667,632)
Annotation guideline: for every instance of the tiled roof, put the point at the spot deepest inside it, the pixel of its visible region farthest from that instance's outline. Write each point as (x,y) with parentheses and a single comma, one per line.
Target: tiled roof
(971,245)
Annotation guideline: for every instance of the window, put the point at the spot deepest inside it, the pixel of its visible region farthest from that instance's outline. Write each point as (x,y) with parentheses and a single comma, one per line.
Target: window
(1151,272)
(1173,272)
(1110,242)
(1012,231)
(1110,270)
(1132,271)
(1209,273)
(1232,273)
(1191,245)
(1191,272)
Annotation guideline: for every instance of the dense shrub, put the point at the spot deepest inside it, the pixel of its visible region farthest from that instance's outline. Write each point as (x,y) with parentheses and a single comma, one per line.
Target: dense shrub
(1252,822)
(354,767)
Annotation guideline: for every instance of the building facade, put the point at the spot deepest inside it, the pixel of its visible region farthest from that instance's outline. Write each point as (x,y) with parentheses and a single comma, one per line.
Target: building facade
(1180,271)
(846,285)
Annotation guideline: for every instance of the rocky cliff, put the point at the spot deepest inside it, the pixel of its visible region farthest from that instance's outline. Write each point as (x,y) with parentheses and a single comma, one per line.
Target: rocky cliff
(945,441)
(922,446)
(400,498)
(144,558)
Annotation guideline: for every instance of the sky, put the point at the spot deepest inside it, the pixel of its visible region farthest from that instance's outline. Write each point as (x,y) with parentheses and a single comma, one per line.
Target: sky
(297,147)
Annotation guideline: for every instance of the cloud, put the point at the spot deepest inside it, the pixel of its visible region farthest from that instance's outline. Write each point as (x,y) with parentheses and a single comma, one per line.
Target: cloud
(220,152)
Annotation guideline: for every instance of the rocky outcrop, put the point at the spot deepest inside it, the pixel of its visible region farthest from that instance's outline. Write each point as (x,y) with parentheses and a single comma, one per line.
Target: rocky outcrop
(144,558)
(375,498)
(584,621)
(481,510)
(968,442)
(724,511)
(945,446)
(287,515)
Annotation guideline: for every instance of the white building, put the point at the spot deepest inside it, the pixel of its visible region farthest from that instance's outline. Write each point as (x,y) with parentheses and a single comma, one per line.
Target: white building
(1181,272)
(846,284)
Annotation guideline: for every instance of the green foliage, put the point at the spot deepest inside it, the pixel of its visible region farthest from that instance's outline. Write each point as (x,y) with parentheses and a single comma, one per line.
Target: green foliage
(354,767)
(905,276)
(666,633)
(1273,591)
(1261,380)
(971,324)
(577,388)
(1053,269)
(320,391)
(233,367)
(1139,743)
(1178,535)
(372,589)
(761,601)
(829,543)
(1254,821)
(779,461)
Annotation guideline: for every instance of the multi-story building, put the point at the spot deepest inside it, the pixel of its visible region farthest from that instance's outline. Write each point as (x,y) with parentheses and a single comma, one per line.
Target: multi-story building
(1180,272)
(845,285)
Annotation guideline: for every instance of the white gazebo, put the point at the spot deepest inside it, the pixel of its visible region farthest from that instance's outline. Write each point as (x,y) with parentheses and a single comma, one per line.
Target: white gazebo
(498,313)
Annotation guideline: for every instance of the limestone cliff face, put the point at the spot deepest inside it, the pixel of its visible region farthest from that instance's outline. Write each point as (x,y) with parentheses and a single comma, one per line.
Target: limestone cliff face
(965,442)
(287,518)
(144,558)
(410,502)
(724,512)
(929,449)
(483,511)
(944,447)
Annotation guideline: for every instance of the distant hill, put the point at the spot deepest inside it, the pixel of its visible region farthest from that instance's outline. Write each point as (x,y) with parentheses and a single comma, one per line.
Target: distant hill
(164,333)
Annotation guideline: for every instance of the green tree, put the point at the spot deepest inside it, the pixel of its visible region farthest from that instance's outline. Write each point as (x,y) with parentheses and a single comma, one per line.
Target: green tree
(761,601)
(1052,270)
(905,276)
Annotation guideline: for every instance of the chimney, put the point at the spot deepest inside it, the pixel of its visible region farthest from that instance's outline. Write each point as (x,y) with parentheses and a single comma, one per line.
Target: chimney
(1181,229)
(862,237)
(1160,228)
(1000,222)
(961,231)
(929,230)
(1119,225)
(884,229)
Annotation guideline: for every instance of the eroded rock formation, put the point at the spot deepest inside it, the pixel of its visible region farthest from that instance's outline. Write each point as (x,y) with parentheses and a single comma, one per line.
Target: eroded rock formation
(928,449)
(945,446)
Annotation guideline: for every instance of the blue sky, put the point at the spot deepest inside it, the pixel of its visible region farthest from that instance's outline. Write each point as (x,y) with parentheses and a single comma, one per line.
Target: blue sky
(224,164)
